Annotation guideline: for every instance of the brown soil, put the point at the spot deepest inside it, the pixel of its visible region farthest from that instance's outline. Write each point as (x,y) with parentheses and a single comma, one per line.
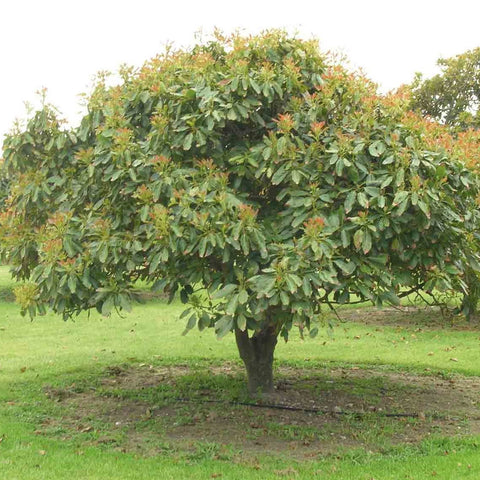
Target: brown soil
(311,413)
(411,317)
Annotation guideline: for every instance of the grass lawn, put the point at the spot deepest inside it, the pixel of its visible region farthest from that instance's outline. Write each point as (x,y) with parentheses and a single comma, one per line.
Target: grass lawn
(393,394)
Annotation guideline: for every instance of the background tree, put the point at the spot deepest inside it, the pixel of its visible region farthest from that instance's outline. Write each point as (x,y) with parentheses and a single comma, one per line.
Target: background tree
(251,176)
(453,96)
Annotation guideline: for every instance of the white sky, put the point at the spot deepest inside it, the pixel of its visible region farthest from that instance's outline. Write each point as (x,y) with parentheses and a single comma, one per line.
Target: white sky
(61,44)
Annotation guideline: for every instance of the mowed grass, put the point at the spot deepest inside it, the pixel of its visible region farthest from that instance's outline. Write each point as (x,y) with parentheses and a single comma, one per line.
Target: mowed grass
(51,353)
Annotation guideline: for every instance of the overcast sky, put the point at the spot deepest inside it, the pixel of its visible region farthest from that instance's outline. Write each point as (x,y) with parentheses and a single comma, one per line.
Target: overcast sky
(62,44)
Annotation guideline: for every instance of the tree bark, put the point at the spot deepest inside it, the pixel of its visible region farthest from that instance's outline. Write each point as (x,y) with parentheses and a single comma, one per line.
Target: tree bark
(257,355)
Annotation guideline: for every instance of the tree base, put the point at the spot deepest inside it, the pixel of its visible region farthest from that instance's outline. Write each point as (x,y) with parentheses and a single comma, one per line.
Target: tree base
(257,355)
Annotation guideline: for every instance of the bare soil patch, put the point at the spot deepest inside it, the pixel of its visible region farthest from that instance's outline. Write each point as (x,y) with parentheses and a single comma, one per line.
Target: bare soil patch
(177,408)
(411,317)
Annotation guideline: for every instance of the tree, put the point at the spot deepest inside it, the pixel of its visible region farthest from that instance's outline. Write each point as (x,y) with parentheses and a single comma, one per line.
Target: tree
(453,96)
(249,175)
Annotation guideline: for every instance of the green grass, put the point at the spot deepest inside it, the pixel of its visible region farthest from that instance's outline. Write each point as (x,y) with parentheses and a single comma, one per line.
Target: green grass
(51,352)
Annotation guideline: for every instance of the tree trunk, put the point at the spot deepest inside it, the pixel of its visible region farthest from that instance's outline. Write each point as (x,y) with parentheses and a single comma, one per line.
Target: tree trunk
(257,355)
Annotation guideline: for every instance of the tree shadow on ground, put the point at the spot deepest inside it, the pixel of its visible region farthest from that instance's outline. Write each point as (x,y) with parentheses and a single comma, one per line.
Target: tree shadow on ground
(152,410)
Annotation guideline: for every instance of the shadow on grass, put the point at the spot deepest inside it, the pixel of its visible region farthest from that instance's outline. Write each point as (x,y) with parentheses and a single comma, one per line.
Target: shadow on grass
(204,409)
(7,295)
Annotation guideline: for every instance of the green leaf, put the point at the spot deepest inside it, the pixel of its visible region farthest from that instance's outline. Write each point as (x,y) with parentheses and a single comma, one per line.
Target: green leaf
(307,288)
(284,298)
(103,252)
(347,267)
(187,142)
(263,283)
(372,191)
(132,174)
(402,207)
(107,306)
(72,284)
(255,86)
(380,260)
(377,148)
(186,312)
(358,238)
(400,177)
(400,197)
(183,296)
(313,332)
(223,326)
(243,297)
(60,142)
(452,270)
(363,200)
(190,94)
(391,297)
(232,305)
(231,114)
(225,291)
(204,321)
(474,262)
(291,285)
(296,177)
(349,201)
(144,213)
(410,141)
(340,164)
(192,321)
(386,182)
(367,242)
(145,96)
(241,322)
(244,243)
(424,208)
(296,279)
(154,263)
(343,297)
(279,176)
(440,172)
(86,279)
(202,246)
(69,246)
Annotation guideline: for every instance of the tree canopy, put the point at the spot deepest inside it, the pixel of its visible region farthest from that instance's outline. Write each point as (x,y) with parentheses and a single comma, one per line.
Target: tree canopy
(253,176)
